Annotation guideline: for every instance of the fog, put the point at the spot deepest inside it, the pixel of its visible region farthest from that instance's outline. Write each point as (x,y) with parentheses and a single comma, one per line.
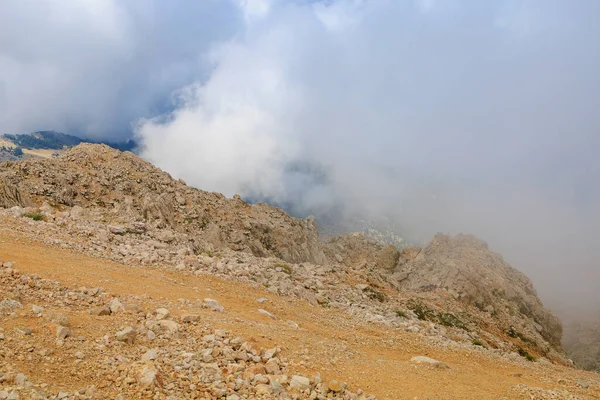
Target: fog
(452,116)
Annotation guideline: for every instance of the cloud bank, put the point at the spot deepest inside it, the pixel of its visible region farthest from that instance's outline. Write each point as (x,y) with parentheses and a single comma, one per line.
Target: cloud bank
(440,116)
(453,116)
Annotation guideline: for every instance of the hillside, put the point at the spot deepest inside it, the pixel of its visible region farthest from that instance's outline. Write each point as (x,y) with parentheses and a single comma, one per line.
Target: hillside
(45,144)
(350,308)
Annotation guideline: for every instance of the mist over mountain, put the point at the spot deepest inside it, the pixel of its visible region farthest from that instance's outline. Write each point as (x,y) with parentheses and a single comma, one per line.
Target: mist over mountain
(426,116)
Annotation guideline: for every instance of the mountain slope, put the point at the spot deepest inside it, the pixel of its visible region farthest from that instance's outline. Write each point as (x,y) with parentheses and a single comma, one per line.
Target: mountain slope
(114,206)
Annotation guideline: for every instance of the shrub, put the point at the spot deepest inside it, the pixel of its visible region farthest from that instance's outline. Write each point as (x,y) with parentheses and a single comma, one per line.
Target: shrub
(401,314)
(285,267)
(36,216)
(525,353)
(374,294)
(478,342)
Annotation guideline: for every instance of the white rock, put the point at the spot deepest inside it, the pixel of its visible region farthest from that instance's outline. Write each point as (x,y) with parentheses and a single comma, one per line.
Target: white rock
(427,360)
(115,306)
(147,375)
(20,379)
(162,313)
(265,312)
(150,355)
(37,309)
(127,334)
(300,383)
(213,305)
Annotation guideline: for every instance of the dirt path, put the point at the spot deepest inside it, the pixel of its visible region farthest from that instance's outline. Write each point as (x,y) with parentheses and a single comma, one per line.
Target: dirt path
(373,358)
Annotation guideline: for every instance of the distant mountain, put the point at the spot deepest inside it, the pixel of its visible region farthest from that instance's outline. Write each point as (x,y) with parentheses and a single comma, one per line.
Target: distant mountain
(47,144)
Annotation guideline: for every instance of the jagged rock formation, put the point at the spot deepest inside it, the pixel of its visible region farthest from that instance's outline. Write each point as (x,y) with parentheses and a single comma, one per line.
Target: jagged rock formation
(466,268)
(11,195)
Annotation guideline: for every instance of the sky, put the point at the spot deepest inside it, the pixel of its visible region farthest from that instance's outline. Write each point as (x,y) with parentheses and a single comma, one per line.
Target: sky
(452,116)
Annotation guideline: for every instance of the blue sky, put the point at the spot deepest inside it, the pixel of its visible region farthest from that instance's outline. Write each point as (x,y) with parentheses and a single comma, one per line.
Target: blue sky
(472,116)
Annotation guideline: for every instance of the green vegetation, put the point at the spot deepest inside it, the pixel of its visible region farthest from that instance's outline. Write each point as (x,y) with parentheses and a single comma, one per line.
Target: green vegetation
(443,318)
(285,267)
(375,294)
(478,342)
(36,216)
(525,353)
(44,140)
(514,334)
(401,314)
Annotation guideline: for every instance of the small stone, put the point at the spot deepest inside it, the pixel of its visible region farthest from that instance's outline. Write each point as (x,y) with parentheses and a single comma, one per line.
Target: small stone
(115,306)
(62,332)
(265,312)
(62,395)
(37,309)
(263,389)
(427,360)
(127,334)
(262,300)
(3,394)
(117,229)
(9,305)
(23,331)
(583,384)
(188,318)
(300,383)
(213,305)
(270,353)
(150,355)
(1,336)
(272,367)
(276,387)
(334,386)
(162,313)
(233,397)
(150,335)
(79,355)
(148,375)
(20,379)
(100,311)
(168,327)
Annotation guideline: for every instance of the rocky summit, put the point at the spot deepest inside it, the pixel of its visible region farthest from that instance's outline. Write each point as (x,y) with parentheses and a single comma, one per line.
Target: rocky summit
(118,281)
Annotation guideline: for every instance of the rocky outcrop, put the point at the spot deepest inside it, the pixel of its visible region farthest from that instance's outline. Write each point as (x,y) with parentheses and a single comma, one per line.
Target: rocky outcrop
(465,267)
(11,195)
(359,250)
(125,190)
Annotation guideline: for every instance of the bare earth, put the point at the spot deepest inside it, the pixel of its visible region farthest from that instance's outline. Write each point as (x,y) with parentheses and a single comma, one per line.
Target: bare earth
(373,358)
